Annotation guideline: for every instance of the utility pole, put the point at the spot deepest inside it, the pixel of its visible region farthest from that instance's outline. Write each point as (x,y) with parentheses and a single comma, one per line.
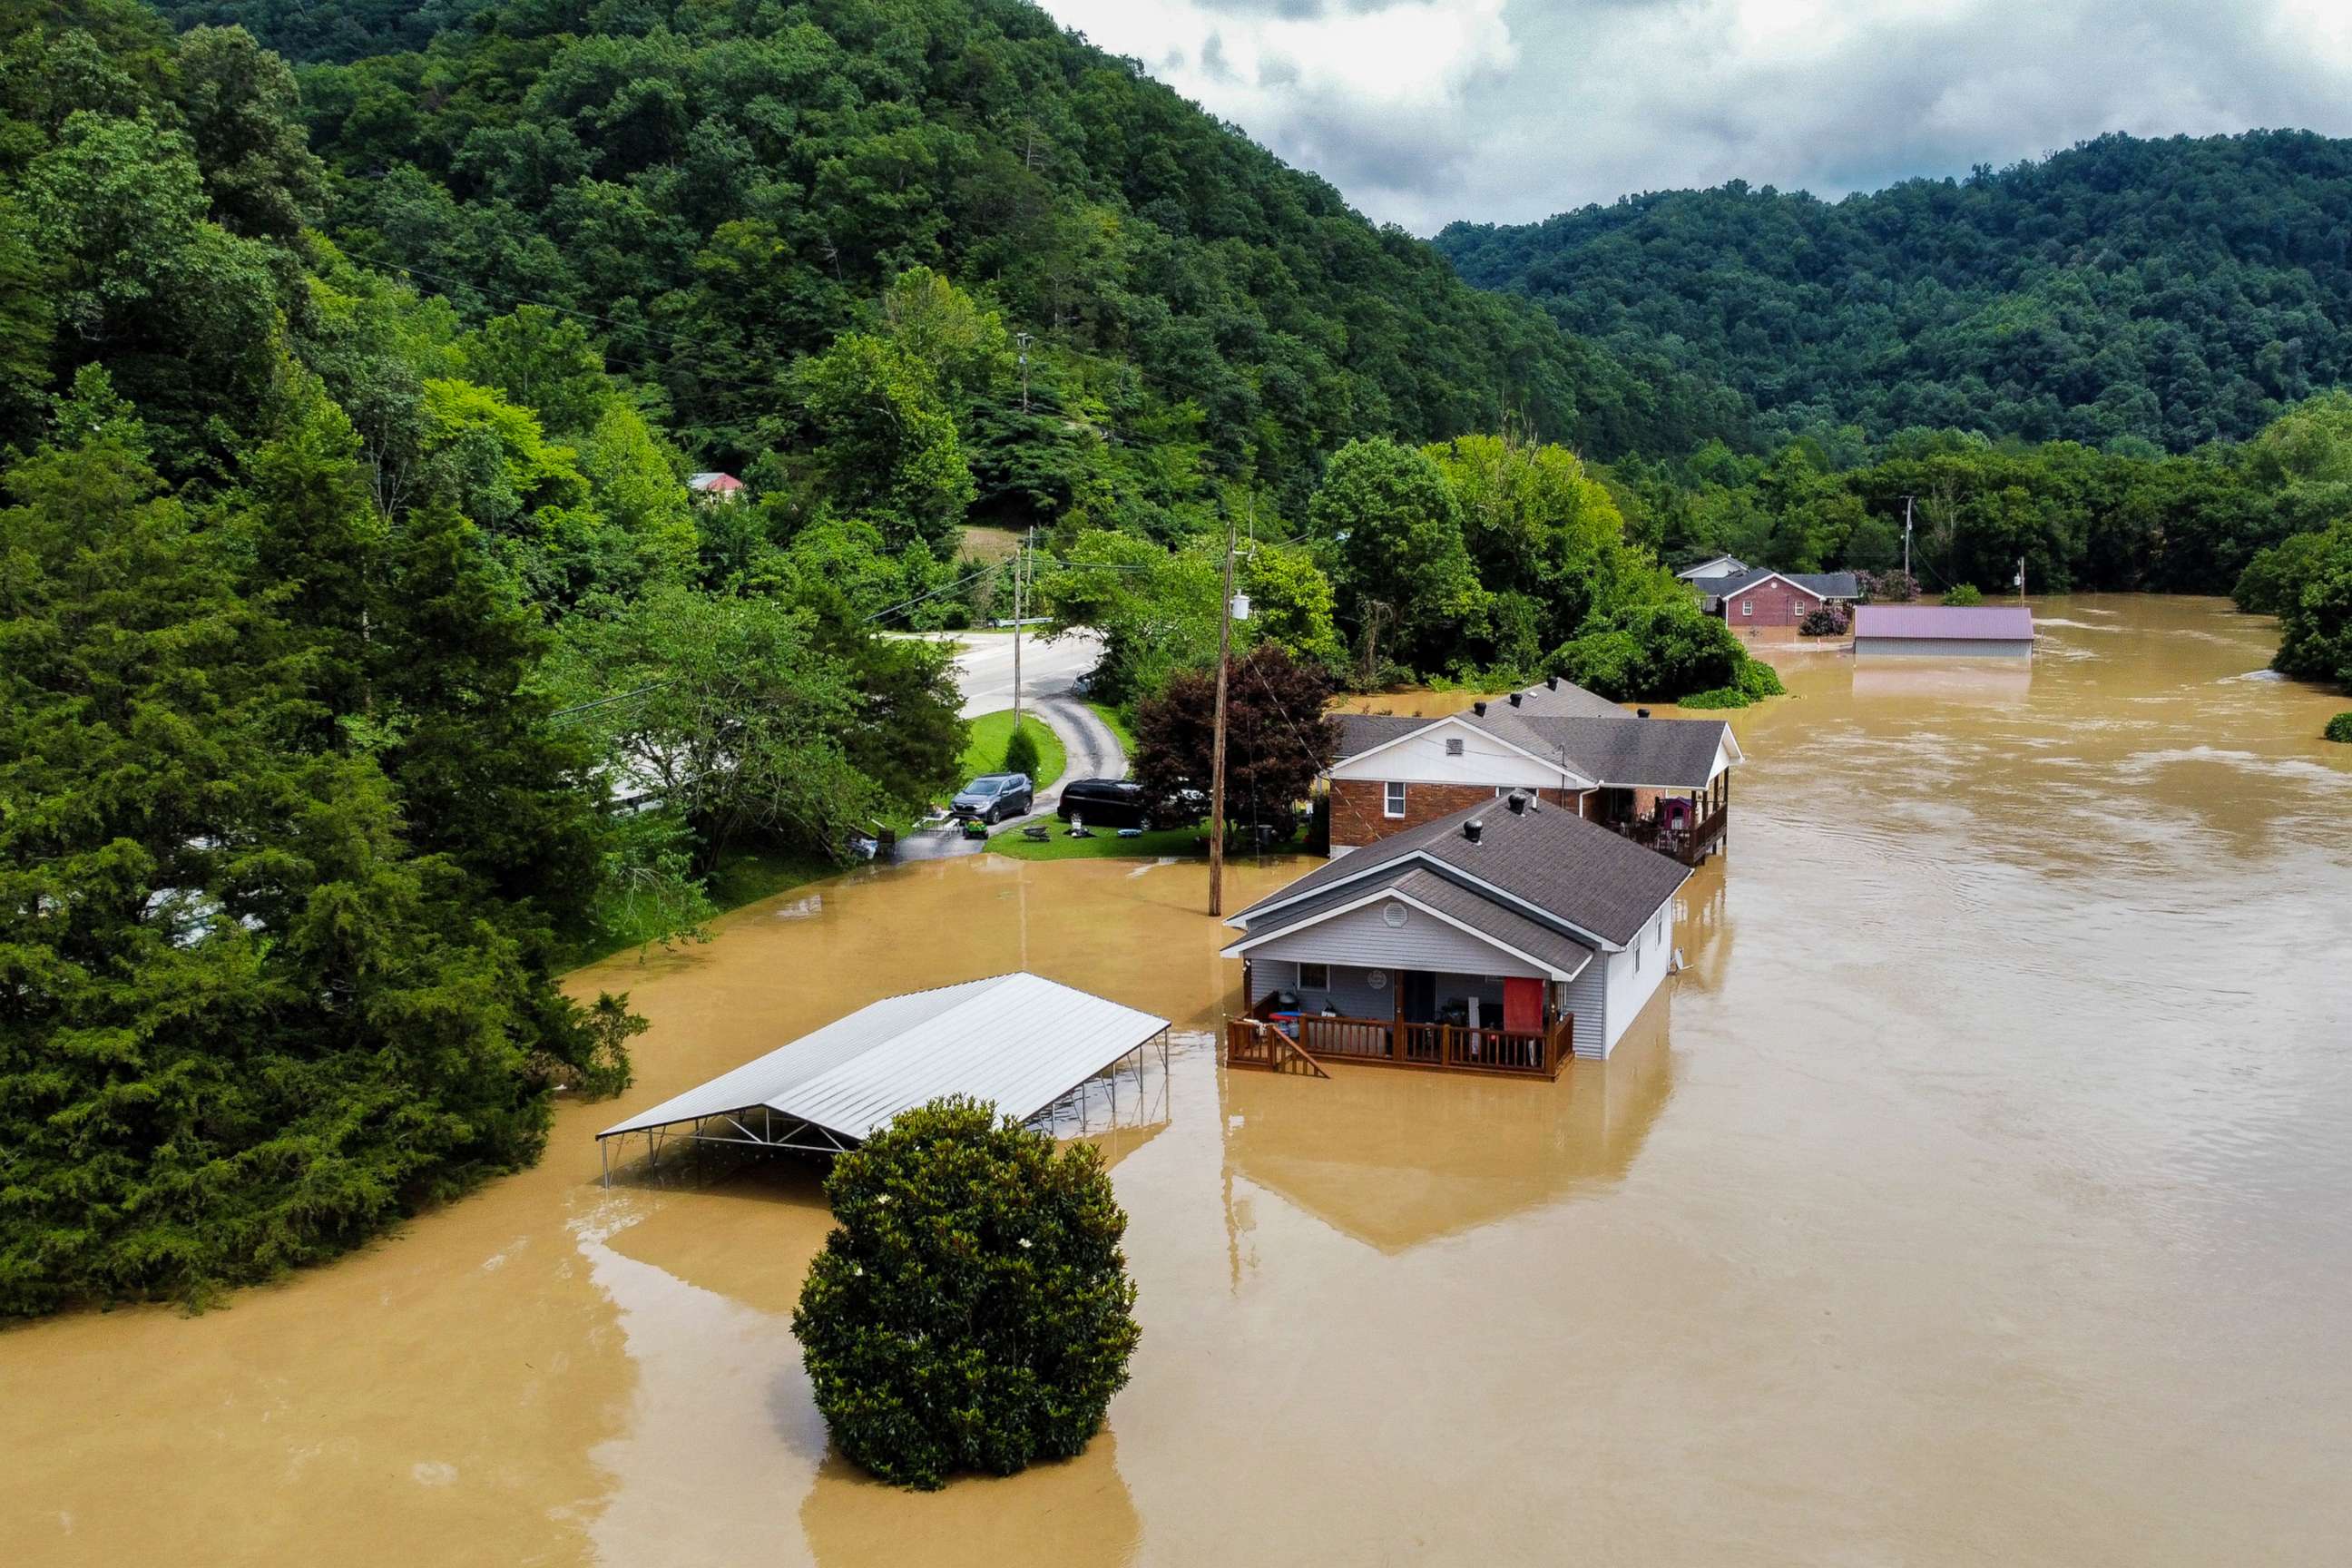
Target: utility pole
(1019,558)
(1023,339)
(2021,579)
(1217,765)
(1906,536)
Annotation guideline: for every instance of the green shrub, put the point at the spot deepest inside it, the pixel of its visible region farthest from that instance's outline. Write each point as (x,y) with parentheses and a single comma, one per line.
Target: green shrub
(1021,749)
(1721,697)
(970,1310)
(1965,594)
(1757,679)
(2340,728)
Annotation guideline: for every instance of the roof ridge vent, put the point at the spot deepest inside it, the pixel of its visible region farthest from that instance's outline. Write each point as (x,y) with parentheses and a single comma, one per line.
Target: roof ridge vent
(1479,709)
(1475,829)
(1517,803)
(1517,697)
(1551,683)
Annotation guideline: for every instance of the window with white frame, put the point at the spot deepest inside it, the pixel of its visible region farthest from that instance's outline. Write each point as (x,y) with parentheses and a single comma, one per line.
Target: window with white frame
(1315,977)
(1392,800)
(1746,606)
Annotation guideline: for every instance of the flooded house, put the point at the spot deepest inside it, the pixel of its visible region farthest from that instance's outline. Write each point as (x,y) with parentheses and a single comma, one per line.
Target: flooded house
(1502,938)
(1943,631)
(1765,605)
(1663,783)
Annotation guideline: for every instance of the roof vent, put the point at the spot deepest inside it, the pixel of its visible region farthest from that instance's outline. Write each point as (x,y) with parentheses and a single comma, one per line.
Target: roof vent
(1473,830)
(1551,683)
(1518,803)
(1453,745)
(1640,712)
(1479,709)
(1515,699)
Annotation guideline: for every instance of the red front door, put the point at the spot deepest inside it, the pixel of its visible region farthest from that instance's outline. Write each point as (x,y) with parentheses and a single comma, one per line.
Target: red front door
(1523,1005)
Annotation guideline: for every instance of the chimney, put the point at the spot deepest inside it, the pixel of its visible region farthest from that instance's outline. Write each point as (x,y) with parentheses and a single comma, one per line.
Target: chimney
(1515,700)
(1479,709)
(1640,712)
(1551,683)
(1518,803)
(1473,829)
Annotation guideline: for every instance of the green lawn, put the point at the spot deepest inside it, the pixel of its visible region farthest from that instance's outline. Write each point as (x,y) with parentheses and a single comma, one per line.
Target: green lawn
(992,732)
(1106,845)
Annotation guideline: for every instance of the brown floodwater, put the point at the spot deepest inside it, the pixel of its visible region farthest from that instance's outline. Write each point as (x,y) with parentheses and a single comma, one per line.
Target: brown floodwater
(1982,1192)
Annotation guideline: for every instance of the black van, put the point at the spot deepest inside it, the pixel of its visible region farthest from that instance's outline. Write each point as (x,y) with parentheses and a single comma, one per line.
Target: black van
(1105,803)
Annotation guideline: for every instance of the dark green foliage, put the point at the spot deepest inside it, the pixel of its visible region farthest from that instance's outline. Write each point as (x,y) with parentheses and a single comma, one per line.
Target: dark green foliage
(240,1026)
(2316,611)
(1721,697)
(970,1310)
(1963,595)
(1278,739)
(1757,679)
(2163,293)
(2339,727)
(1021,751)
(725,189)
(1651,651)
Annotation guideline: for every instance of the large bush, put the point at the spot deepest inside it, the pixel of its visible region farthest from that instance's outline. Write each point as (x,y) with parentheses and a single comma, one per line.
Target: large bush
(972,1309)
(1757,679)
(1963,595)
(2340,728)
(1655,652)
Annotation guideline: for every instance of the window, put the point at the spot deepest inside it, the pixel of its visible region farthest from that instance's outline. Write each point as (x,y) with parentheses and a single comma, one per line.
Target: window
(1392,800)
(1746,606)
(1315,977)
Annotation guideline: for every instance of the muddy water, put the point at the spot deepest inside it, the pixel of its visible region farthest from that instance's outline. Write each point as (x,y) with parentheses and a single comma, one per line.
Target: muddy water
(1982,1192)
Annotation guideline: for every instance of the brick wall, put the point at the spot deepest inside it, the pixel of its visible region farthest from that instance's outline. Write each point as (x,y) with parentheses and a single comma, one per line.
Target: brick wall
(1776,603)
(1358,808)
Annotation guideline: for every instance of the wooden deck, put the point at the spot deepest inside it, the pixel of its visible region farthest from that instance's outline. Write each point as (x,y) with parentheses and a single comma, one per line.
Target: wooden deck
(1371,1042)
(1690,845)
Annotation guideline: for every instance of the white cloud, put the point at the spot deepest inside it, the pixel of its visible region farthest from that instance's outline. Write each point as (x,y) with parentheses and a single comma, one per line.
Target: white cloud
(1426,110)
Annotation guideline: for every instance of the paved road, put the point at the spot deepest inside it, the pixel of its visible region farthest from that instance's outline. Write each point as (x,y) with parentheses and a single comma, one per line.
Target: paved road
(984,674)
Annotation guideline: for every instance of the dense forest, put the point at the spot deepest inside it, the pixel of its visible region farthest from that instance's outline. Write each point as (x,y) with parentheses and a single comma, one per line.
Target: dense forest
(2144,294)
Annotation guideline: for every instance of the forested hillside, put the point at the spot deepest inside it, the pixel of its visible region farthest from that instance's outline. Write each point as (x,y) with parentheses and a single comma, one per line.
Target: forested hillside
(720,188)
(2172,292)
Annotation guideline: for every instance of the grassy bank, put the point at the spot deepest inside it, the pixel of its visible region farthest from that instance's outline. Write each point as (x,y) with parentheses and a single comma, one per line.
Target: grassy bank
(1117,726)
(992,732)
(1106,845)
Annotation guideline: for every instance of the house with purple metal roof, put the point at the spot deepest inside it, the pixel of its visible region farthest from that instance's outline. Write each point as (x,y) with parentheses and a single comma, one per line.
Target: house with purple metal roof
(1943,631)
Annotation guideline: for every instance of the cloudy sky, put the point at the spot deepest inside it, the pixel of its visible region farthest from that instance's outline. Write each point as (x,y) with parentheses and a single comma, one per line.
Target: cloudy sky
(1426,110)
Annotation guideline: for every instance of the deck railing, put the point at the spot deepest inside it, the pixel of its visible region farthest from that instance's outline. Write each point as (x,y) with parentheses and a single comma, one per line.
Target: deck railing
(1688,845)
(1374,1042)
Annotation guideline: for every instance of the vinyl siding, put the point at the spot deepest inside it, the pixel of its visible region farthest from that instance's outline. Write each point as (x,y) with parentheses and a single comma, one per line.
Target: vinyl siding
(1587,996)
(1484,761)
(1362,938)
(1351,997)
(1632,983)
(1945,647)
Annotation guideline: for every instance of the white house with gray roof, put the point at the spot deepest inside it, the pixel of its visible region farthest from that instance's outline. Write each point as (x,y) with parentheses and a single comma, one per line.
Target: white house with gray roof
(1502,938)
(1665,782)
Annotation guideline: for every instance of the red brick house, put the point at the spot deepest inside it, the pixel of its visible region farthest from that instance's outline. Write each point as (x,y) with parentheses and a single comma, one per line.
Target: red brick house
(1770,605)
(1664,782)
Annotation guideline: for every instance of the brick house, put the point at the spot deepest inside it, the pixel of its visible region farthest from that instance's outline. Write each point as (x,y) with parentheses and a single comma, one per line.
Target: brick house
(1767,606)
(1663,782)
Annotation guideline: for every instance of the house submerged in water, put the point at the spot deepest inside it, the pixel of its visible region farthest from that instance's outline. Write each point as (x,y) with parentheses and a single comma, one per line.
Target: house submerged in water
(1502,938)
(1664,783)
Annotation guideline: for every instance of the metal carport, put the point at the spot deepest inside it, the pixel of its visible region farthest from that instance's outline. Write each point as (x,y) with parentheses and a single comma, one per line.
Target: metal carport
(1017,1041)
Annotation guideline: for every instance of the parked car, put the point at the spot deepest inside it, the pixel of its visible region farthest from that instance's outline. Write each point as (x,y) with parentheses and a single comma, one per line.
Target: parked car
(1105,803)
(992,797)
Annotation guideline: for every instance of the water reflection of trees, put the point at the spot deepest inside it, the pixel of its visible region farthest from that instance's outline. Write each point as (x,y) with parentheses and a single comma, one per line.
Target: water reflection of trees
(1394,1159)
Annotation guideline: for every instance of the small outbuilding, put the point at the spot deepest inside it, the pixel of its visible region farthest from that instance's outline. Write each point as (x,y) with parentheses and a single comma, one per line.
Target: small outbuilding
(1943,631)
(1019,1042)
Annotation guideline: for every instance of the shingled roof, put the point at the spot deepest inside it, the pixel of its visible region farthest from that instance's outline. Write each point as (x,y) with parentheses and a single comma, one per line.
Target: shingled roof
(1627,752)
(1828,584)
(1545,864)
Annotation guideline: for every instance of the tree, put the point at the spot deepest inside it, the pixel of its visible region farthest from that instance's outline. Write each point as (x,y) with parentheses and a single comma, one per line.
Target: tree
(1388,512)
(1278,738)
(1656,652)
(1963,593)
(2316,611)
(970,1310)
(241,1028)
(884,443)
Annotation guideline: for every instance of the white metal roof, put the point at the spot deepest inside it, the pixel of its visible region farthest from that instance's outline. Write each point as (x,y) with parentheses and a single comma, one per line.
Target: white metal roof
(1018,1041)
